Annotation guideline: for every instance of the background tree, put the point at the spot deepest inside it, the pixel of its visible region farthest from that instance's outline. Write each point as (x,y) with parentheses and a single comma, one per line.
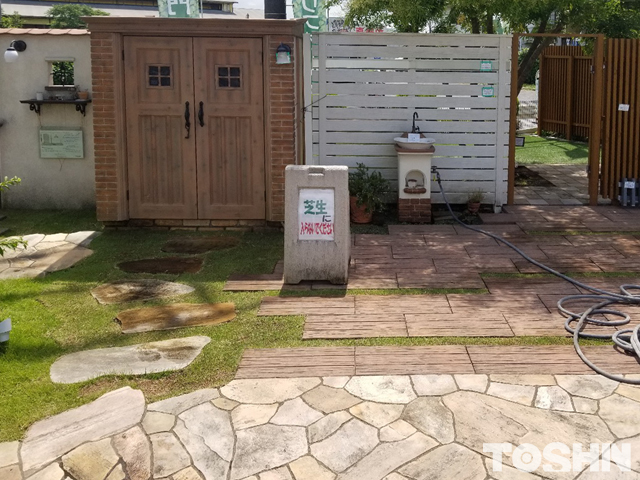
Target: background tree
(68,15)
(12,21)
(406,16)
(614,18)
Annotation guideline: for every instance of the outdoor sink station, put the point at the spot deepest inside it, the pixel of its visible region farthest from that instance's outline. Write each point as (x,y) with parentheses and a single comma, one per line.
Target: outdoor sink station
(415,152)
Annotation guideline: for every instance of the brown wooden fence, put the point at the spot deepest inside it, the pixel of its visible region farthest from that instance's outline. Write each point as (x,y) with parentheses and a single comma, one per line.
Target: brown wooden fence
(621,124)
(566,88)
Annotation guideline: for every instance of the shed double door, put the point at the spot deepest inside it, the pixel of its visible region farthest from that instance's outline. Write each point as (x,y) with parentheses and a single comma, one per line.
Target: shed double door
(195,136)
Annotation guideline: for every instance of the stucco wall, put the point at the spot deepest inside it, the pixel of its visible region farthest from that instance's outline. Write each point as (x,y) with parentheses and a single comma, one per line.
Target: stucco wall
(46,183)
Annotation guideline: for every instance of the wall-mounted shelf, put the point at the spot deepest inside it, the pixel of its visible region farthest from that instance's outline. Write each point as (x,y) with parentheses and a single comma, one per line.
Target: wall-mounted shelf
(35,105)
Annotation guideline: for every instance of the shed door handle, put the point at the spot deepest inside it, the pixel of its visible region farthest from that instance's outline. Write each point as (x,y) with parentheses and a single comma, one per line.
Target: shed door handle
(187,117)
(201,114)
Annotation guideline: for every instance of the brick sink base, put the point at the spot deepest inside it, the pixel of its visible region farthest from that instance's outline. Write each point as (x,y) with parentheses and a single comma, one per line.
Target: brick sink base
(414,210)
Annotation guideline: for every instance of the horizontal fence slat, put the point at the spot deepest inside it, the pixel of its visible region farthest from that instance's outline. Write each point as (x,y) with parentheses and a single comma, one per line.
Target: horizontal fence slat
(429,78)
(403,89)
(400,63)
(389,150)
(410,40)
(443,138)
(342,113)
(391,52)
(400,126)
(395,101)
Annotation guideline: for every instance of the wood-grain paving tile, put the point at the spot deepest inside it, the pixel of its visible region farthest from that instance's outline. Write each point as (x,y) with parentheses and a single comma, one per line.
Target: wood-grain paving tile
(306,306)
(412,360)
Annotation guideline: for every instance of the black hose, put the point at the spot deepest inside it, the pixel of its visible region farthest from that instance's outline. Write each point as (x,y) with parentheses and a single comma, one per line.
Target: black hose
(628,340)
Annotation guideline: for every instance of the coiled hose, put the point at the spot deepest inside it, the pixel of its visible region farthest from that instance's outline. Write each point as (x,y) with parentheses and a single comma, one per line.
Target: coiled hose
(628,339)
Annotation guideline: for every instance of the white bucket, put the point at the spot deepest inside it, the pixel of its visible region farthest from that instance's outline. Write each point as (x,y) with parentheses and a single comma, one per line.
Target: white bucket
(5,328)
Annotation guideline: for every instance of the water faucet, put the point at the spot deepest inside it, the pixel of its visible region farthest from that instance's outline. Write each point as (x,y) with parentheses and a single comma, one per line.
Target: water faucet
(415,129)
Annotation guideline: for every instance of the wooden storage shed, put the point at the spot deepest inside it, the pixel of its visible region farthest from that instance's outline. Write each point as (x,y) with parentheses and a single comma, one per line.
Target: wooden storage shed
(194,121)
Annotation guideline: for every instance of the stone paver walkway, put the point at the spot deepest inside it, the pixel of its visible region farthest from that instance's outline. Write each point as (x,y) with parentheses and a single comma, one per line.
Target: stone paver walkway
(419,427)
(514,307)
(570,186)
(450,256)
(45,254)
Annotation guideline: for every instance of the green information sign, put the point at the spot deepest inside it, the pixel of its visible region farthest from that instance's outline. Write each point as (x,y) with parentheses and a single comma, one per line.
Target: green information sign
(61,144)
(179,8)
(488,92)
(486,65)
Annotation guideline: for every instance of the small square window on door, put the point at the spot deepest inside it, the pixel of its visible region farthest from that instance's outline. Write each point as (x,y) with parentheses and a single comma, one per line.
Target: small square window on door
(228,77)
(159,75)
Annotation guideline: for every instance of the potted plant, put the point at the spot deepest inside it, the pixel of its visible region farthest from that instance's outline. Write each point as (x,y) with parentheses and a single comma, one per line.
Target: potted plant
(474,200)
(367,191)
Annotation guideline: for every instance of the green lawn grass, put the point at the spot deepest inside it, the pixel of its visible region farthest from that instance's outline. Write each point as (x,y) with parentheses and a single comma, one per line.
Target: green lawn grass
(57,315)
(538,150)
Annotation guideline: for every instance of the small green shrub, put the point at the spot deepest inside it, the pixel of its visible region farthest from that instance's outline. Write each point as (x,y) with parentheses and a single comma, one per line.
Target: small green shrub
(369,188)
(5,243)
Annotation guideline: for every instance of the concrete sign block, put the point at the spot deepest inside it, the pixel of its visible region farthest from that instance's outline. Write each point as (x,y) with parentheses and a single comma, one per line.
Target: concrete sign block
(317,233)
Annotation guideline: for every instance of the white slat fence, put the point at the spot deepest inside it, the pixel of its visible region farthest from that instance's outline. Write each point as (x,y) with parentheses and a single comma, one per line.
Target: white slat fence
(364,88)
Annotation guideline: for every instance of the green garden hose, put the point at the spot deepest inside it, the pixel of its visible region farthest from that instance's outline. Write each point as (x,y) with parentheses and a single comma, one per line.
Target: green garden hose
(628,340)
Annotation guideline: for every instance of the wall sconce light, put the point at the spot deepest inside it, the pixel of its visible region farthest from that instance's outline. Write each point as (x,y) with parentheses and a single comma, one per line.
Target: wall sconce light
(11,55)
(283,54)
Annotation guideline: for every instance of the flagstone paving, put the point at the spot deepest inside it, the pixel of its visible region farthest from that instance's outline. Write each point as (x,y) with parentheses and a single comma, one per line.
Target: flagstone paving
(45,254)
(328,428)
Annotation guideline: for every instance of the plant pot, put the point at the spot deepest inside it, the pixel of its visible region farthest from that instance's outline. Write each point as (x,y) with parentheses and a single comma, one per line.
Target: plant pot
(83,95)
(5,328)
(359,214)
(473,207)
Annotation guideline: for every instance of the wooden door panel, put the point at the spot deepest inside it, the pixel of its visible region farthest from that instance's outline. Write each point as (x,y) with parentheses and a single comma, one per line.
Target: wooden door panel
(162,181)
(161,161)
(231,165)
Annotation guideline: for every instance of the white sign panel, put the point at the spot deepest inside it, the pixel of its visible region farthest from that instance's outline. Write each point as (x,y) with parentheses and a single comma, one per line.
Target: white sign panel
(316,208)
(486,65)
(623,107)
(61,144)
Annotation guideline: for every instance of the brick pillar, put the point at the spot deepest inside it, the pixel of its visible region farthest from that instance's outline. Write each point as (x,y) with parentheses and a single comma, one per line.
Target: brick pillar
(281,132)
(105,70)
(414,210)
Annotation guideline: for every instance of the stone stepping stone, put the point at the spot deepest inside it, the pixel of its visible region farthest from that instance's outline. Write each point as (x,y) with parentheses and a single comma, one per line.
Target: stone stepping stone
(133,290)
(178,315)
(196,245)
(163,356)
(170,265)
